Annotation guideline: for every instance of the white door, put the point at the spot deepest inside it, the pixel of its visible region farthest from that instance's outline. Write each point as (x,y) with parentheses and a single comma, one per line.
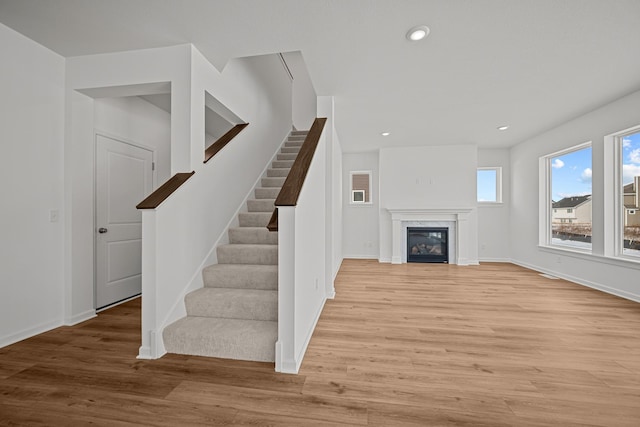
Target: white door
(123,179)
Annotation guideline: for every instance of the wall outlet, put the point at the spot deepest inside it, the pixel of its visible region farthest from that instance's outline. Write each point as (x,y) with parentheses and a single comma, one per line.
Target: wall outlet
(558,260)
(54,215)
(483,247)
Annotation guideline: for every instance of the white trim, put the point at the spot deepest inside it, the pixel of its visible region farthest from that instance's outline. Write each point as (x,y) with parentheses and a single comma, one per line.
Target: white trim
(29,332)
(351,190)
(628,262)
(502,260)
(592,285)
(355,256)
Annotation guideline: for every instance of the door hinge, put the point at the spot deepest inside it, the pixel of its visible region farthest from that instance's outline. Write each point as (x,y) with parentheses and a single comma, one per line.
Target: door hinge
(153,166)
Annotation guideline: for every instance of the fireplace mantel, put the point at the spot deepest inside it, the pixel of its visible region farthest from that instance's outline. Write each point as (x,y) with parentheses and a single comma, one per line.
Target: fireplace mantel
(457,215)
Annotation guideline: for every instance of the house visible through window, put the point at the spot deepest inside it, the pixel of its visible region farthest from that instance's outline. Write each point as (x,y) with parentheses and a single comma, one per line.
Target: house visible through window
(568,198)
(489,182)
(361,187)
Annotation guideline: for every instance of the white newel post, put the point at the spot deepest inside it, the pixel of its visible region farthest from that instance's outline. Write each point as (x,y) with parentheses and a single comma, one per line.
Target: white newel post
(148,347)
(285,346)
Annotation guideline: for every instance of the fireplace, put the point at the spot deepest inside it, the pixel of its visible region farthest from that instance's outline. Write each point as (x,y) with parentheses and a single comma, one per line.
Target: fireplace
(428,244)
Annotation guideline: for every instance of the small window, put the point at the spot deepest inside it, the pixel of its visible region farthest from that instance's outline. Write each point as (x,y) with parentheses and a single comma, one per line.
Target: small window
(631,212)
(569,210)
(489,181)
(357,196)
(361,187)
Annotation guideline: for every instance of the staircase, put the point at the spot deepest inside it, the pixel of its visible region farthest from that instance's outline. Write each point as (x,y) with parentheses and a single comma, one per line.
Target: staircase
(235,314)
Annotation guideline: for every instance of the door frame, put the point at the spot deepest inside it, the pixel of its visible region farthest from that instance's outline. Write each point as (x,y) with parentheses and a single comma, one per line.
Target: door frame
(154,172)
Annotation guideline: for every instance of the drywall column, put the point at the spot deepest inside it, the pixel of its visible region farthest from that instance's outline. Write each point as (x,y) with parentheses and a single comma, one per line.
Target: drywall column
(285,349)
(325,109)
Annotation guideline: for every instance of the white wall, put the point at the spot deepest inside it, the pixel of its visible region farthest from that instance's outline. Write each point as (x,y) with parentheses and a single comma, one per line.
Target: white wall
(137,121)
(360,227)
(427,177)
(304,95)
(493,218)
(31,169)
(595,270)
(113,74)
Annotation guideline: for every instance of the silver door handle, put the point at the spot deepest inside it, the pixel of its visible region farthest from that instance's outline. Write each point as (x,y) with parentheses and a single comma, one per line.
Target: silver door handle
(102,230)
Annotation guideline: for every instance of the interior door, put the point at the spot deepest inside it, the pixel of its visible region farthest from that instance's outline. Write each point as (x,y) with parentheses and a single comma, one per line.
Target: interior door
(124,175)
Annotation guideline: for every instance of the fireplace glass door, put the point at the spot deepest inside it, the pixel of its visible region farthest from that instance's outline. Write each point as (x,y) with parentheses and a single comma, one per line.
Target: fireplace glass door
(427,244)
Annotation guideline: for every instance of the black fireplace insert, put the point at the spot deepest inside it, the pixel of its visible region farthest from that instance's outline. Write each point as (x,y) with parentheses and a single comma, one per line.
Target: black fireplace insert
(427,244)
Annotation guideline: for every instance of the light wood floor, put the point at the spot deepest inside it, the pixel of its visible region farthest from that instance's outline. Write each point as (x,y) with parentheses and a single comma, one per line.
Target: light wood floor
(413,344)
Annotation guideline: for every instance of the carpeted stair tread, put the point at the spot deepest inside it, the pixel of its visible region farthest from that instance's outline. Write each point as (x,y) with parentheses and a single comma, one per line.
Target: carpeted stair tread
(294,143)
(273,181)
(260,205)
(293,150)
(282,164)
(272,172)
(229,303)
(225,338)
(247,254)
(241,276)
(249,235)
(286,156)
(266,193)
(254,219)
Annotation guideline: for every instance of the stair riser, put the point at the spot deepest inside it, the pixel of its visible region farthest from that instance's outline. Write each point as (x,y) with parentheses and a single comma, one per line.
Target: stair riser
(290,150)
(267,193)
(282,164)
(251,235)
(286,157)
(260,205)
(246,278)
(278,172)
(254,219)
(233,304)
(293,143)
(248,254)
(273,181)
(212,338)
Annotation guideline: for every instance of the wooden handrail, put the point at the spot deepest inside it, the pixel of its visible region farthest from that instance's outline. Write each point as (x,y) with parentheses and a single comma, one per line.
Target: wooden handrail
(222,141)
(292,186)
(273,222)
(165,190)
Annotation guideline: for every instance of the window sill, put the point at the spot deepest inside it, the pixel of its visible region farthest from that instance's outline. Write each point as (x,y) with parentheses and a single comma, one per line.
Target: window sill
(369,204)
(620,261)
(490,204)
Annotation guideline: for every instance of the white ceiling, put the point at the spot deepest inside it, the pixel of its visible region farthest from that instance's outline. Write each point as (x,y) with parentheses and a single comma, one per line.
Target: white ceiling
(529,64)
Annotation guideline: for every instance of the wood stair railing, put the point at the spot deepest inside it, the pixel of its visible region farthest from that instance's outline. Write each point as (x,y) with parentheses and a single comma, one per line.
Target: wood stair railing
(292,186)
(222,141)
(165,190)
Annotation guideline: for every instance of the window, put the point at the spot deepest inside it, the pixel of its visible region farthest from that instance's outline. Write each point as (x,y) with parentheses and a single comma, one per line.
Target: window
(565,216)
(489,183)
(360,187)
(628,147)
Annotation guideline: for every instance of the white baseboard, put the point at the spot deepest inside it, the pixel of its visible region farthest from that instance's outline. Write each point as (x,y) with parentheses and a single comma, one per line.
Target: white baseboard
(508,260)
(81,317)
(29,332)
(587,283)
(360,257)
(384,260)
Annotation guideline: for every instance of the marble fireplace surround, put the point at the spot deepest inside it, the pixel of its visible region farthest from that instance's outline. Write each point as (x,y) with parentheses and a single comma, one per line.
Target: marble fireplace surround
(456,219)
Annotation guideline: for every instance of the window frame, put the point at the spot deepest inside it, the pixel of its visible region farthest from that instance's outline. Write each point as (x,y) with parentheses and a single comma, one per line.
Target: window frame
(498,170)
(615,215)
(352,190)
(545,205)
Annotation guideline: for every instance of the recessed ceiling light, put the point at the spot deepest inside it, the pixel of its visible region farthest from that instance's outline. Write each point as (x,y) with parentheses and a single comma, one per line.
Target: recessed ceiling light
(418,33)
(385,133)
(503,128)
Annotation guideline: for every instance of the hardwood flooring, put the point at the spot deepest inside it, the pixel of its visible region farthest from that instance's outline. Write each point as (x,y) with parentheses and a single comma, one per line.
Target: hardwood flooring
(412,344)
